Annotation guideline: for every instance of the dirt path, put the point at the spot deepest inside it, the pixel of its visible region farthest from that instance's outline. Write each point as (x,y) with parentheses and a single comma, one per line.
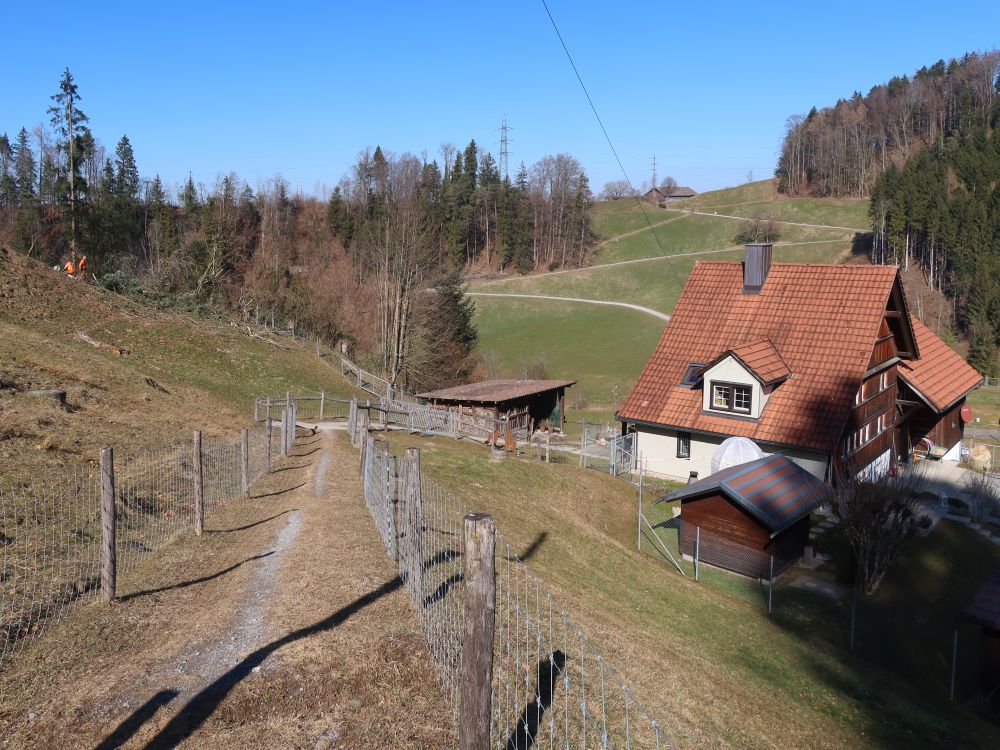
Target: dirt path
(284,626)
(627,305)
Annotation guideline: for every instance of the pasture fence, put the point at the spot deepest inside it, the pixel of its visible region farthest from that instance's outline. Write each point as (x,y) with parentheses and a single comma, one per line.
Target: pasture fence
(65,540)
(544,683)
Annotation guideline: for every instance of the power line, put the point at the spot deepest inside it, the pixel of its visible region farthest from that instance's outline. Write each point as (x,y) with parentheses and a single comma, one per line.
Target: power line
(612,145)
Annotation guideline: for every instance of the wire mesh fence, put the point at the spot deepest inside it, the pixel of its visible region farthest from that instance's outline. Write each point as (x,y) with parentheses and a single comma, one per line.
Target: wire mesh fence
(319,407)
(551,687)
(51,530)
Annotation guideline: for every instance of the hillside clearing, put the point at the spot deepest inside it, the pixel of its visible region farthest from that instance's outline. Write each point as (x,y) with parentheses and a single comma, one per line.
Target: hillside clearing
(718,671)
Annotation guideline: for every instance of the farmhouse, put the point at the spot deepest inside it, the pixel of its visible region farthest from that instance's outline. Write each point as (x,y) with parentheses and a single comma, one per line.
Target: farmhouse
(526,404)
(821,363)
(763,506)
(661,196)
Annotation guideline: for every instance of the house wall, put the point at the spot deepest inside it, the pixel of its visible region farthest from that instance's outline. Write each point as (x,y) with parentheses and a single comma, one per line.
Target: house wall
(659,448)
(989,666)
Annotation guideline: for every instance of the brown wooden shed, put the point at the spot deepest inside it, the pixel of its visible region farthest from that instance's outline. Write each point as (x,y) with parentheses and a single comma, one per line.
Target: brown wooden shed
(526,404)
(985,612)
(751,512)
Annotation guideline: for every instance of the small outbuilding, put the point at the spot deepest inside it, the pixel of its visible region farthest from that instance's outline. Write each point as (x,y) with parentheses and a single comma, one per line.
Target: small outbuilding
(985,612)
(751,511)
(525,404)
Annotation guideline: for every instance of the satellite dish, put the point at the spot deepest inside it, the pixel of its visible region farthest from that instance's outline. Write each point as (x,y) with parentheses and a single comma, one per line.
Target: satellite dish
(735,451)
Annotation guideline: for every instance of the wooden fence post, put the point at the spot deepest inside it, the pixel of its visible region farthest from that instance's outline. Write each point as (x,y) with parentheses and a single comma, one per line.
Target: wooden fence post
(364,447)
(199,486)
(245,462)
(322,403)
(697,549)
(256,408)
(268,421)
(109,557)
(284,432)
(583,445)
(477,645)
(415,505)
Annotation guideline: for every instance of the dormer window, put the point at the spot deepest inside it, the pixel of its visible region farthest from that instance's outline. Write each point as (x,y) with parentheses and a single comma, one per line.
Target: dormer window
(731,397)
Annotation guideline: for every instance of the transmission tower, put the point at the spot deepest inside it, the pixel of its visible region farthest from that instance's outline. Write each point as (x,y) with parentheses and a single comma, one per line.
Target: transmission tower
(504,146)
(654,170)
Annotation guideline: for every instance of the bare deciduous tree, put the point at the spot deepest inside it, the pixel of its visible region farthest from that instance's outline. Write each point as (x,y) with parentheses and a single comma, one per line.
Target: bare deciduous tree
(615,189)
(759,226)
(880,514)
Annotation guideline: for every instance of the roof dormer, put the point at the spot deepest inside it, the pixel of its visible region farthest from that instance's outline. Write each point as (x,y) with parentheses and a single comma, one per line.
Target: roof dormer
(739,381)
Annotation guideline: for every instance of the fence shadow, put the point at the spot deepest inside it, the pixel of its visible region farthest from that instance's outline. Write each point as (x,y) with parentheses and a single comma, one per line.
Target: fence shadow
(124,731)
(194,714)
(547,674)
(193,581)
(277,492)
(261,521)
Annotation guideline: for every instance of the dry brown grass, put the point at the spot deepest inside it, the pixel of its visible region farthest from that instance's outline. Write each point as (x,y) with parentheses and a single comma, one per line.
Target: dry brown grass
(336,674)
(183,373)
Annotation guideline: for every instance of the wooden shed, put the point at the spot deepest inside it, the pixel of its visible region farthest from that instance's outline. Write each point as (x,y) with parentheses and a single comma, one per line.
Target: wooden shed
(526,404)
(985,612)
(750,512)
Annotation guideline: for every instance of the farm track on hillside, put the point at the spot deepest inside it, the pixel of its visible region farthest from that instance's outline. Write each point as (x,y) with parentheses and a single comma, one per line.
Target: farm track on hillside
(626,305)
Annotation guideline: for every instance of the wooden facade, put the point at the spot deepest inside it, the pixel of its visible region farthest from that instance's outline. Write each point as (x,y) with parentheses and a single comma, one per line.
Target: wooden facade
(721,517)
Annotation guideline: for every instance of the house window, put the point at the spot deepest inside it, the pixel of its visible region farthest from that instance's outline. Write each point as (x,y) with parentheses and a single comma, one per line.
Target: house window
(690,378)
(683,445)
(884,381)
(731,397)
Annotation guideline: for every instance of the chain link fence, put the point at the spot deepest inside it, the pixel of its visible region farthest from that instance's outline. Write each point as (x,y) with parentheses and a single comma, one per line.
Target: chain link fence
(51,530)
(551,686)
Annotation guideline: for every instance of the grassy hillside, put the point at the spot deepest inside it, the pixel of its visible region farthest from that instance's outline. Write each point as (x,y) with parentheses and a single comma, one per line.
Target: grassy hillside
(177,372)
(713,666)
(515,330)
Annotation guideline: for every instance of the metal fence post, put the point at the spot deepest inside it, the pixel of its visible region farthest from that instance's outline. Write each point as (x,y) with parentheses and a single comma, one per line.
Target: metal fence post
(854,606)
(954,664)
(109,557)
(477,643)
(697,549)
(245,462)
(770,586)
(199,485)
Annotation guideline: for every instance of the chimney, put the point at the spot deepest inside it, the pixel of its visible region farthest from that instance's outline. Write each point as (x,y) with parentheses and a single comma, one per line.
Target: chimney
(756,264)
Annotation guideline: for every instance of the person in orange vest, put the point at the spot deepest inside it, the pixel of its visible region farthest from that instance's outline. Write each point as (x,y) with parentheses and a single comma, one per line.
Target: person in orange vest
(69,269)
(81,268)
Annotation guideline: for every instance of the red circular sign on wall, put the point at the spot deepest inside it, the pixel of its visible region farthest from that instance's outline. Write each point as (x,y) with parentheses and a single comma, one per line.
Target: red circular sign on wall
(966,414)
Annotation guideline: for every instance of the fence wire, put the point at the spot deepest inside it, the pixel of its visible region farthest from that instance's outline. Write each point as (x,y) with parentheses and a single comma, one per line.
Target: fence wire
(551,686)
(50,531)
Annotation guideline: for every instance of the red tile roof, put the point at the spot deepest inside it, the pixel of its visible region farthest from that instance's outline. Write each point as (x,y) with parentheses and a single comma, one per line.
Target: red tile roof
(940,375)
(823,319)
(493,391)
(763,360)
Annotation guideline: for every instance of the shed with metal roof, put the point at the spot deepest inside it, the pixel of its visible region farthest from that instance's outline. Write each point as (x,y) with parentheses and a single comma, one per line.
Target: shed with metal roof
(763,505)
(985,612)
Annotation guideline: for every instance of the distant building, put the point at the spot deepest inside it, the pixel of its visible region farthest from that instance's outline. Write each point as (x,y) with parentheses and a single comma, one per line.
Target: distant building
(524,404)
(659,196)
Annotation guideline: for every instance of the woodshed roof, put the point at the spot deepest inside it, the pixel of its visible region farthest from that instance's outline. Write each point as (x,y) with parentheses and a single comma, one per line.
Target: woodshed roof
(823,319)
(774,490)
(940,375)
(495,391)
(985,608)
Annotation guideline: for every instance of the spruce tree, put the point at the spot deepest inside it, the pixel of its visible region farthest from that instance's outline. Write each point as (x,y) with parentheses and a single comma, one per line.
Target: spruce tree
(126,185)
(71,123)
(24,169)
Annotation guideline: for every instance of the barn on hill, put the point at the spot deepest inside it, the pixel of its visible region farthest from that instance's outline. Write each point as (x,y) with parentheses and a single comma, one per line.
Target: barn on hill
(763,506)
(526,404)
(985,612)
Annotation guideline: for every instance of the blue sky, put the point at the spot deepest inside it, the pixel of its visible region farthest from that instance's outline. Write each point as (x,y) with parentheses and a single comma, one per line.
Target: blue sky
(298,90)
